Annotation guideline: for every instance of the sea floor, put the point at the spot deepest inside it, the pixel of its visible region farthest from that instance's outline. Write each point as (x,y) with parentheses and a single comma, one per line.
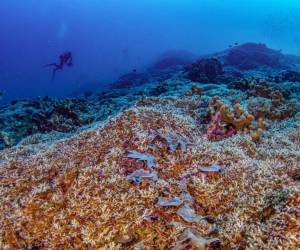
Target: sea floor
(155,176)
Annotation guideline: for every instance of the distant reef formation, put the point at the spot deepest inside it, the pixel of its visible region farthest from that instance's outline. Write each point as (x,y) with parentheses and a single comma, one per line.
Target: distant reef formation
(254,56)
(196,155)
(172,58)
(237,68)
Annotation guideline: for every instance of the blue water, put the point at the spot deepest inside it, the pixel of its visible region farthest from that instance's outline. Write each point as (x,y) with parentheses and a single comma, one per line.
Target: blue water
(111,37)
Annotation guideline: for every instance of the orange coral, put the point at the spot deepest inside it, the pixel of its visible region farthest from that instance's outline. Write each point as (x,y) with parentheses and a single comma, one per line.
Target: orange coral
(225,120)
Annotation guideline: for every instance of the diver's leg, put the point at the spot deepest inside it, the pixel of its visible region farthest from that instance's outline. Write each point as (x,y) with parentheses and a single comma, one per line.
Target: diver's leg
(53,73)
(51,64)
(70,61)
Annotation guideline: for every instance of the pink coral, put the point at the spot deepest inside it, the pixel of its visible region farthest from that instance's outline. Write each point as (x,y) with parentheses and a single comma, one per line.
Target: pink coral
(226,122)
(217,130)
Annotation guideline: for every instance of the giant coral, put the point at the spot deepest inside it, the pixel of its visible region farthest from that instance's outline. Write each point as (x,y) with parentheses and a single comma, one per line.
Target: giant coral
(73,194)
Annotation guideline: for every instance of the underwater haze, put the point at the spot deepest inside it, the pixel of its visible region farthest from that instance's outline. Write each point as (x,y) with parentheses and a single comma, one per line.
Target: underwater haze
(149,124)
(111,37)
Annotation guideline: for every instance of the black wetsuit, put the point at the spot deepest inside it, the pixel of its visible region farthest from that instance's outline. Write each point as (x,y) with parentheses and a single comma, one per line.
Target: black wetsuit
(64,59)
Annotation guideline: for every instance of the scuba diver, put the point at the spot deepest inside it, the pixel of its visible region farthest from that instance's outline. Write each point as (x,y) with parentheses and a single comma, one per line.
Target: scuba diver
(64,59)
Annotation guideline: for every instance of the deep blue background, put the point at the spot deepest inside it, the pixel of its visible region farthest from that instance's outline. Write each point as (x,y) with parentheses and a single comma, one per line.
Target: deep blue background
(111,37)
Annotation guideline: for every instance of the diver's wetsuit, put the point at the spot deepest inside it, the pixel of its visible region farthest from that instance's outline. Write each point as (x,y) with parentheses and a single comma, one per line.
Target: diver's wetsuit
(64,59)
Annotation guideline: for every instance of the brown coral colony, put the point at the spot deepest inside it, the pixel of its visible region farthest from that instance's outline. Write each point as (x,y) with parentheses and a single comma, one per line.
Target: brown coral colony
(226,123)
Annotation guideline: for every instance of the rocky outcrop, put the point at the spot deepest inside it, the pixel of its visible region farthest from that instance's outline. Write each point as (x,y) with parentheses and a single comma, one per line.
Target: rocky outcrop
(204,70)
(252,56)
(287,76)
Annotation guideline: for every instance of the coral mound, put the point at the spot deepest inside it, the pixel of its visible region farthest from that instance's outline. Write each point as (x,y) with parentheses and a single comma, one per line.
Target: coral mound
(75,193)
(204,70)
(225,122)
(251,55)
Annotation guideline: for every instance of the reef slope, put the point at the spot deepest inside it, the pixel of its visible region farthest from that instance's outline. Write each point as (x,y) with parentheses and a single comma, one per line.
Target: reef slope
(169,168)
(76,194)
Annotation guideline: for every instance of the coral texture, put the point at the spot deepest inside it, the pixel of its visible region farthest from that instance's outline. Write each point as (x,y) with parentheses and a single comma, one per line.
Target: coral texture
(75,194)
(226,123)
(158,162)
(204,70)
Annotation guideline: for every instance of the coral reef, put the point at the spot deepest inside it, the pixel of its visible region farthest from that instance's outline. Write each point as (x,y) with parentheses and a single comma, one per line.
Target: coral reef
(226,123)
(158,90)
(266,108)
(260,87)
(44,115)
(160,164)
(24,118)
(266,99)
(286,76)
(74,193)
(194,91)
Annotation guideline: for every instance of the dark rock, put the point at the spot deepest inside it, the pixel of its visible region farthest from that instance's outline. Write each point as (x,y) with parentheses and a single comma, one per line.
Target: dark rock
(228,77)
(287,76)
(34,104)
(251,56)
(158,90)
(18,117)
(87,93)
(66,112)
(107,96)
(204,70)
(13,102)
